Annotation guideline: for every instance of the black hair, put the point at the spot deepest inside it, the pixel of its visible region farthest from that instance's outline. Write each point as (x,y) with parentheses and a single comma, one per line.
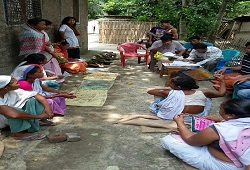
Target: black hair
(35,21)
(194,37)
(247,44)
(184,82)
(200,46)
(66,20)
(35,58)
(239,107)
(167,37)
(33,71)
(166,21)
(48,22)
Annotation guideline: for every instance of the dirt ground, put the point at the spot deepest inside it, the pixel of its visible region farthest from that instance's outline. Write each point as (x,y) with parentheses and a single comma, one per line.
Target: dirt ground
(104,145)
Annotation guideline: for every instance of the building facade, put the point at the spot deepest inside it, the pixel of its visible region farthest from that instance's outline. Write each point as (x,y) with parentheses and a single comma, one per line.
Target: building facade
(14,13)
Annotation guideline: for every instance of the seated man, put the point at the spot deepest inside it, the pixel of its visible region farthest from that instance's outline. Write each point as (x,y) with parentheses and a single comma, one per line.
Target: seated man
(166,44)
(190,45)
(22,109)
(205,56)
(243,70)
(242,88)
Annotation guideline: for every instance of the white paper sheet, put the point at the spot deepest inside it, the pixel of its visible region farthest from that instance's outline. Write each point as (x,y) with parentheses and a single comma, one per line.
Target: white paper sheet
(180,63)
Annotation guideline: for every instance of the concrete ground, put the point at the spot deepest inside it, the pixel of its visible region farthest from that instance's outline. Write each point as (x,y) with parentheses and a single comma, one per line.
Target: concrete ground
(104,145)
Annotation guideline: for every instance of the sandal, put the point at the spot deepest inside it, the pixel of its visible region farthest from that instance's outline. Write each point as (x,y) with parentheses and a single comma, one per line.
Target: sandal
(46,122)
(32,136)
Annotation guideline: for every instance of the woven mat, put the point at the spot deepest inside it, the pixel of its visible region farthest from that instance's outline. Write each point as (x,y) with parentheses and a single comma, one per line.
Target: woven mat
(101,76)
(93,90)
(88,98)
(96,84)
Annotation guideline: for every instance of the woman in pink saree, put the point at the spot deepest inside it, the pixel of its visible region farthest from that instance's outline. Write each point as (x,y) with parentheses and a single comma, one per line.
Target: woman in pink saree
(30,81)
(32,40)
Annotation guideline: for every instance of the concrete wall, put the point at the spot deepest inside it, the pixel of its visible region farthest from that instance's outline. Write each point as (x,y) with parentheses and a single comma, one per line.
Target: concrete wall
(9,47)
(55,11)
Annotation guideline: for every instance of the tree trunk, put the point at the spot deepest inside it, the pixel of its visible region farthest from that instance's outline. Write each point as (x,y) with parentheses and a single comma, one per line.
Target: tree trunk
(218,20)
(182,23)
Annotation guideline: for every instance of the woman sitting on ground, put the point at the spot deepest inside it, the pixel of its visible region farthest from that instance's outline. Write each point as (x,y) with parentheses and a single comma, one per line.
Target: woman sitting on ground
(68,64)
(32,40)
(223,145)
(48,79)
(23,109)
(31,82)
(182,98)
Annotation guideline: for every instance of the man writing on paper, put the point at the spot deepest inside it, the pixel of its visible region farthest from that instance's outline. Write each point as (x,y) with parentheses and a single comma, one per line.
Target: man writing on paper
(164,45)
(205,56)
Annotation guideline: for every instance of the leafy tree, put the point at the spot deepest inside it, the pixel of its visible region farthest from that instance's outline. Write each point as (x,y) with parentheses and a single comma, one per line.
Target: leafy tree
(95,7)
(197,17)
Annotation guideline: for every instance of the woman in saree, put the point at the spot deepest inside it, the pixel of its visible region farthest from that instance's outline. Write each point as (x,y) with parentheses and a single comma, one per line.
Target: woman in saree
(23,109)
(48,79)
(69,65)
(222,145)
(30,81)
(75,66)
(32,40)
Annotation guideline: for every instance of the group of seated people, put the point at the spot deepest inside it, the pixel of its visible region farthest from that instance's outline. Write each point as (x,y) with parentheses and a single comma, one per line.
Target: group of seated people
(202,54)
(223,144)
(30,95)
(27,101)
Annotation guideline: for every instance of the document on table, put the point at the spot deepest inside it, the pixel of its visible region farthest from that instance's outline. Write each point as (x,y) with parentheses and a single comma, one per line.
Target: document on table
(180,63)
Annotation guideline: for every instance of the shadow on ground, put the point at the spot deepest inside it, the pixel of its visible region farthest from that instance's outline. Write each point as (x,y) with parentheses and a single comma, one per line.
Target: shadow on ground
(104,145)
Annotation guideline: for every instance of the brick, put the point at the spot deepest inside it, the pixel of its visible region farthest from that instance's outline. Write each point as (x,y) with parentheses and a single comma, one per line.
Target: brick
(55,138)
(73,137)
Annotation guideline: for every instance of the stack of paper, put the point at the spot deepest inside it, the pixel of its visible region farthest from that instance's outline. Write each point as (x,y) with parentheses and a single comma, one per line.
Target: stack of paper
(180,63)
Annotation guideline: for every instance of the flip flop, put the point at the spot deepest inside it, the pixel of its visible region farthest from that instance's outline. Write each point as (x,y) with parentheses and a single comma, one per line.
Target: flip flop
(27,137)
(38,137)
(46,123)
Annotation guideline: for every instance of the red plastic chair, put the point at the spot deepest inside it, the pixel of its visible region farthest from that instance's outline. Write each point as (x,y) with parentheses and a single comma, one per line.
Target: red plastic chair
(131,50)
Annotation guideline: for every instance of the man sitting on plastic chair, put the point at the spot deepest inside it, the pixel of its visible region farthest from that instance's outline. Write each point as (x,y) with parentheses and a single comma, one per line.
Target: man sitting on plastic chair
(229,59)
(243,70)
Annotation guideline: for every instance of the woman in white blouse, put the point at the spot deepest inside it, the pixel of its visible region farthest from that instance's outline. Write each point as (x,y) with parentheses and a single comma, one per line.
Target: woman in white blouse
(68,32)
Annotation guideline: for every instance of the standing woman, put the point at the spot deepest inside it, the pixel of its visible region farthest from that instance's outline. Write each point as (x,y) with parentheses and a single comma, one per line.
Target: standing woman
(69,32)
(32,40)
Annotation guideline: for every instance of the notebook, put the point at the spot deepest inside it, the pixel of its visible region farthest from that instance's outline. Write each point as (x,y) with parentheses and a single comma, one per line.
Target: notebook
(199,123)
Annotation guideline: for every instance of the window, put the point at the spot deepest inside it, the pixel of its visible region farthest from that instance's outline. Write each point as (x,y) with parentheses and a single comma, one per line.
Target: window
(76,10)
(19,11)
